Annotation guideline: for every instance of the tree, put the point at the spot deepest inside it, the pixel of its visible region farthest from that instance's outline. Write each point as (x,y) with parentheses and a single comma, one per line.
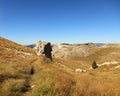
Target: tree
(32,71)
(94,65)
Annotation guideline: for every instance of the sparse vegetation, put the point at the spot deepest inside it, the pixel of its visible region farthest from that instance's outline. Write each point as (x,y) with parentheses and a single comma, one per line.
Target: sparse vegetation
(52,79)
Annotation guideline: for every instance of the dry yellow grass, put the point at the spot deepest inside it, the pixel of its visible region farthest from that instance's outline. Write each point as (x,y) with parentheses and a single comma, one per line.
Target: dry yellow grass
(56,78)
(4,43)
(51,80)
(104,55)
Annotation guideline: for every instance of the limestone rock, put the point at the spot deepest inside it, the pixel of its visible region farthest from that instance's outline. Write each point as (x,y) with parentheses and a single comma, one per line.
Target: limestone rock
(80,70)
(67,50)
(39,47)
(71,51)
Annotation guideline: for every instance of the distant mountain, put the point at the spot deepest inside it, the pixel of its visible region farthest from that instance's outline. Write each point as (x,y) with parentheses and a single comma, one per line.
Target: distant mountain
(97,44)
(100,44)
(30,46)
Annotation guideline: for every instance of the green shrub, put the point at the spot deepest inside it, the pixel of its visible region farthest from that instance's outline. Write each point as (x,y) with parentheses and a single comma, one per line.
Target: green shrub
(94,65)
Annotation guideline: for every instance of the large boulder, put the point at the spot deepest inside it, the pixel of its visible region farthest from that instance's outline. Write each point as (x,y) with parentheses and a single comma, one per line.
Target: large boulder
(39,47)
(44,48)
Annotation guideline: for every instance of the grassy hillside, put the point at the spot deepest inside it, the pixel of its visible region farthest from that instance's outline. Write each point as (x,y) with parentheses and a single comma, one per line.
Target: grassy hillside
(11,51)
(4,43)
(51,79)
(104,55)
(33,75)
(15,67)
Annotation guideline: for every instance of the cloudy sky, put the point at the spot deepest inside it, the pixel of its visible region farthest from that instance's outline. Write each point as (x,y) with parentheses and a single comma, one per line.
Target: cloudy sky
(58,21)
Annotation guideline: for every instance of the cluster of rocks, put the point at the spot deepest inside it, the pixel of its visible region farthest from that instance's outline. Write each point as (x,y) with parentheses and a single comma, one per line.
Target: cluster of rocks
(80,70)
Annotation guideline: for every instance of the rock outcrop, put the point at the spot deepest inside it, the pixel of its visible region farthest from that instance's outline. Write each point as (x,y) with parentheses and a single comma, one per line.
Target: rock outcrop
(44,48)
(71,51)
(39,47)
(67,50)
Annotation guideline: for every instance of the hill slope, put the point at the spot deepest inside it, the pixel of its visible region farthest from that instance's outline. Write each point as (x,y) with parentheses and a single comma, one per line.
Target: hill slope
(10,50)
(32,75)
(15,65)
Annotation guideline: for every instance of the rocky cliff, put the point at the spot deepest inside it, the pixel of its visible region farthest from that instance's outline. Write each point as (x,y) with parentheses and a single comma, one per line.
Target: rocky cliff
(67,50)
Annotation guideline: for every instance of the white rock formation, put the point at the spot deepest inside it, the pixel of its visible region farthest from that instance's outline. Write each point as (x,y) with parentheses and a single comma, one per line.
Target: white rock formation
(108,63)
(67,51)
(80,70)
(117,67)
(39,47)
